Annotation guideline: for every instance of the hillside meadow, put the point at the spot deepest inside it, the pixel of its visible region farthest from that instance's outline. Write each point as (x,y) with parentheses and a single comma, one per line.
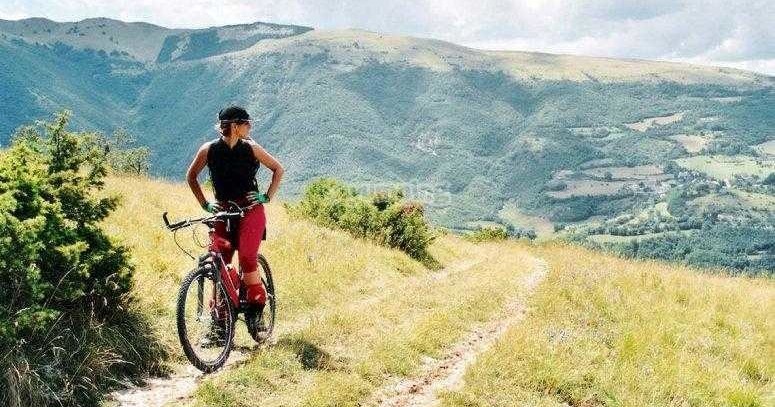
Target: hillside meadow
(354,318)
(604,331)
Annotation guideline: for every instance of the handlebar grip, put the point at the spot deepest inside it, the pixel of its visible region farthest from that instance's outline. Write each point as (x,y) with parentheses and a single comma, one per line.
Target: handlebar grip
(173,225)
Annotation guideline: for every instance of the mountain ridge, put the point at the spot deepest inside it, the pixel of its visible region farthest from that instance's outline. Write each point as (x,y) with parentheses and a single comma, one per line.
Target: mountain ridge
(91,33)
(552,142)
(515,56)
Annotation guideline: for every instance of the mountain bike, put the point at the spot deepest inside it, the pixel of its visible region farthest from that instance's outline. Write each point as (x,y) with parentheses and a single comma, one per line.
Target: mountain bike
(212,296)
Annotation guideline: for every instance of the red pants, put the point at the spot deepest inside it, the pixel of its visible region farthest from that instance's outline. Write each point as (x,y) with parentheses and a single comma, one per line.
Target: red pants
(245,235)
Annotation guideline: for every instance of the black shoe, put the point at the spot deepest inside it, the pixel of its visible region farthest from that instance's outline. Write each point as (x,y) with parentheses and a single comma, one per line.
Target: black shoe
(254,319)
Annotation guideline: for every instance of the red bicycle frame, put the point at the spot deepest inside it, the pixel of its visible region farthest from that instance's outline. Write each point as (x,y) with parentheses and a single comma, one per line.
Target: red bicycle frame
(231,281)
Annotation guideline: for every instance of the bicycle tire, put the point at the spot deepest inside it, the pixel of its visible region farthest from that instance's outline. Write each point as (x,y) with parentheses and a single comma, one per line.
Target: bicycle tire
(271,299)
(188,350)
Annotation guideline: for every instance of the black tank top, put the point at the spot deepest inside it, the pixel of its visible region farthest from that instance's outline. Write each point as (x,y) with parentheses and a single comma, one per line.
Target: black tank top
(232,170)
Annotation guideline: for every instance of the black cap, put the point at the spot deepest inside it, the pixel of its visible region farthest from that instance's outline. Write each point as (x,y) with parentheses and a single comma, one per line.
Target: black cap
(233,114)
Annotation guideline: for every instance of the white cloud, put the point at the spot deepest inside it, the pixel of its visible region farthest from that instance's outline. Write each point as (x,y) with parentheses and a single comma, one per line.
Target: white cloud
(12,15)
(766,66)
(721,32)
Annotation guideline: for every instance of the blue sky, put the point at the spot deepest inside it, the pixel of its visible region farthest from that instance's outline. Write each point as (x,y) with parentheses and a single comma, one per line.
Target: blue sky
(717,32)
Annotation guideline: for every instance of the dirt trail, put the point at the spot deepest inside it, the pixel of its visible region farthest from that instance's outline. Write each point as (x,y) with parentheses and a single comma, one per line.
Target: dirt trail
(179,386)
(159,391)
(447,372)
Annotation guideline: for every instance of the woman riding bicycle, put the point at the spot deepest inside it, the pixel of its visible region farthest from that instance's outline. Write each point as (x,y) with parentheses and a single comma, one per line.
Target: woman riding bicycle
(233,160)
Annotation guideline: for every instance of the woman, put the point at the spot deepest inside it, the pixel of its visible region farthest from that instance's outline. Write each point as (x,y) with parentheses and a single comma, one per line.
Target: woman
(233,160)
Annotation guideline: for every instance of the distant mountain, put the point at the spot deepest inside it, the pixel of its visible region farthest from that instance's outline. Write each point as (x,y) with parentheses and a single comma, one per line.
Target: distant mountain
(99,67)
(528,139)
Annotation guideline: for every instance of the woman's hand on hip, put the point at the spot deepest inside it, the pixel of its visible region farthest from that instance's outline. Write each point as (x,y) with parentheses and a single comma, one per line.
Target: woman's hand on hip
(257,197)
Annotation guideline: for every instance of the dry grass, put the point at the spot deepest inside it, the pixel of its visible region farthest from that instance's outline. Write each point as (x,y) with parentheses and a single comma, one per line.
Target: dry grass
(609,331)
(768,147)
(354,316)
(583,187)
(637,172)
(357,340)
(650,122)
(351,315)
(159,265)
(511,214)
(691,143)
(723,166)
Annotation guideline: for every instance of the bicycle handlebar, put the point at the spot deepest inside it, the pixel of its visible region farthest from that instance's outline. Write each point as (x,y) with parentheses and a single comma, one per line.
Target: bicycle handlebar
(216,217)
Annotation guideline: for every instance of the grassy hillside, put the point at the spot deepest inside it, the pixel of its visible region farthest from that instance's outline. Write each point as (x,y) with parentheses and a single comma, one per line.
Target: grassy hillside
(606,331)
(354,318)
(350,313)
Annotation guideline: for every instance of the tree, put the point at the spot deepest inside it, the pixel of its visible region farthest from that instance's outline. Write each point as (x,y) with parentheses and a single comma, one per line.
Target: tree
(64,302)
(125,159)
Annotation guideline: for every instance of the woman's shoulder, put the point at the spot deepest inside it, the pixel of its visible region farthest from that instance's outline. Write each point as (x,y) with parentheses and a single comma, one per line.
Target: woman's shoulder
(252,143)
(205,148)
(207,144)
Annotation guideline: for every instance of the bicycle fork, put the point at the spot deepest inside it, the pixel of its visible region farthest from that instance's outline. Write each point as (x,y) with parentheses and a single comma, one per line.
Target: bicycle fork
(220,273)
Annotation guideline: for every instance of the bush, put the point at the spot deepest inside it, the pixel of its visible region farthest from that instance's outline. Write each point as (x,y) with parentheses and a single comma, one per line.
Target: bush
(383,217)
(488,234)
(125,159)
(67,324)
(496,233)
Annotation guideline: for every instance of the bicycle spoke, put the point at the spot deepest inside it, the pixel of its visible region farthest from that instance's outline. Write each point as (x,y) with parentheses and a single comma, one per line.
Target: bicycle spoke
(205,322)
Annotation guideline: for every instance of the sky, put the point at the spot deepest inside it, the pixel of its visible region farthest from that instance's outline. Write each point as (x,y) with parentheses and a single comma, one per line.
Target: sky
(738,34)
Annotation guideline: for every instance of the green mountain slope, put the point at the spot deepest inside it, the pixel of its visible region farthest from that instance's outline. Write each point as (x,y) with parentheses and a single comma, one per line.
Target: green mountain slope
(482,137)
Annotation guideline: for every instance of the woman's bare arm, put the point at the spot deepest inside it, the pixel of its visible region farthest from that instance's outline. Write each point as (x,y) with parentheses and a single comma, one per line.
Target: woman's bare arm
(197,164)
(270,162)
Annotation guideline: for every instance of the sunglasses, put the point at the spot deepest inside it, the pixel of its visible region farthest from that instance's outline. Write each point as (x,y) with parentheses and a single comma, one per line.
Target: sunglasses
(249,122)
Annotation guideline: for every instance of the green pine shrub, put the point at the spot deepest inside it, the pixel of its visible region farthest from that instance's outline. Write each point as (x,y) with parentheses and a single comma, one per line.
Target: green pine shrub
(488,234)
(384,217)
(497,233)
(68,326)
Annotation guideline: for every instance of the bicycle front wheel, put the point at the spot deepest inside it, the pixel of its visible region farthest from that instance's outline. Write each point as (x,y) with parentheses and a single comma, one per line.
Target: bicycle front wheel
(205,319)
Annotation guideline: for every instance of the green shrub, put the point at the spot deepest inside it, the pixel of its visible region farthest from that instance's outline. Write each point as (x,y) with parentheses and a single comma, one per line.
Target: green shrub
(770,179)
(488,234)
(123,158)
(496,233)
(67,325)
(384,217)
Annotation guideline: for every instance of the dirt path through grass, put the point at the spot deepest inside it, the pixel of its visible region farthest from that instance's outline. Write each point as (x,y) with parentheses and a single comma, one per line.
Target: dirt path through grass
(447,372)
(181,384)
(159,391)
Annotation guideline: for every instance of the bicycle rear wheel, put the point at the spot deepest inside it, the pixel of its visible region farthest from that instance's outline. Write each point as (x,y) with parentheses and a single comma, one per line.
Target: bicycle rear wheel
(205,319)
(270,309)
